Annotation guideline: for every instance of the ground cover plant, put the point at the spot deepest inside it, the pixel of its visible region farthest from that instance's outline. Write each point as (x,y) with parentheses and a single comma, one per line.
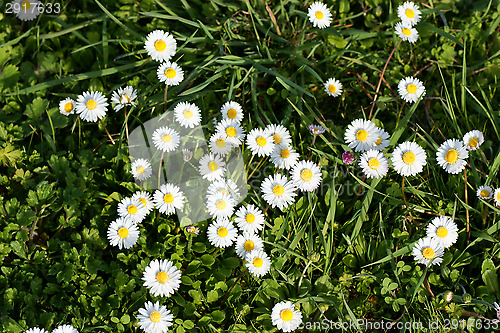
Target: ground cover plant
(369,135)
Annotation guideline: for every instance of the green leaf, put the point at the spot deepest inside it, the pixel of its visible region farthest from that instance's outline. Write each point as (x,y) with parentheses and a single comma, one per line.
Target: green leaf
(207,260)
(218,316)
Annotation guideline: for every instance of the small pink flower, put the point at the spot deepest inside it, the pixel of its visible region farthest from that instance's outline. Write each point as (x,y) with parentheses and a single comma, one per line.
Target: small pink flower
(348,158)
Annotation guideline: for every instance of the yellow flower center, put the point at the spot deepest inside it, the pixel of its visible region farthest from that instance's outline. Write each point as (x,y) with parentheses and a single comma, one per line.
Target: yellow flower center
(123,232)
(451,156)
(473,142)
(155,316)
(249,245)
(170,73)
(332,88)
(140,169)
(231,131)
(168,198)
(188,114)
(125,99)
(69,107)
(379,141)
(442,232)
(485,193)
(212,166)
(250,218)
(261,141)
(278,190)
(285,153)
(166,138)
(91,104)
(162,277)
(143,201)
(26,5)
(286,315)
(409,158)
(410,13)
(373,163)
(222,232)
(428,253)
(306,175)
(361,135)
(276,138)
(132,209)
(258,262)
(406,31)
(498,196)
(319,15)
(220,204)
(411,88)
(223,191)
(232,113)
(220,143)
(160,45)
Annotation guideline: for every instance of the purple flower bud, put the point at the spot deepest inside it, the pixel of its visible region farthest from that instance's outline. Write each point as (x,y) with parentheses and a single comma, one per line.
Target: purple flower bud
(348,158)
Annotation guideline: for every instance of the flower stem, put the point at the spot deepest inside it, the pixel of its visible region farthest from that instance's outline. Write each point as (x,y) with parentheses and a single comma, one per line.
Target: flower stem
(109,135)
(126,123)
(165,98)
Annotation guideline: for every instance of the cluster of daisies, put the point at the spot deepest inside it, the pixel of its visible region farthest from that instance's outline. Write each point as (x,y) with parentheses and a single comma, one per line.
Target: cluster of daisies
(408,158)
(486,192)
(410,15)
(442,233)
(59,329)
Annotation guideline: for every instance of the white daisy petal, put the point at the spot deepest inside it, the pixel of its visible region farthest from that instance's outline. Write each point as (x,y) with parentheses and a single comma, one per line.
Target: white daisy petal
(65,329)
(220,205)
(146,199)
(141,169)
(258,263)
(382,139)
(160,45)
(166,139)
(249,219)
(91,106)
(187,155)
(154,318)
(285,317)
(374,164)
(473,139)
(427,249)
(232,129)
(123,96)
(484,192)
(170,73)
(306,175)
(67,106)
(260,142)
(162,278)
(226,186)
(411,89)
(36,330)
(280,135)
(212,167)
(222,233)
(168,198)
(451,156)
(333,87)
(361,135)
(123,233)
(232,110)
(187,114)
(284,157)
(132,209)
(246,243)
(220,145)
(496,195)
(409,13)
(406,32)
(26,10)
(408,159)
(319,15)
(444,230)
(278,191)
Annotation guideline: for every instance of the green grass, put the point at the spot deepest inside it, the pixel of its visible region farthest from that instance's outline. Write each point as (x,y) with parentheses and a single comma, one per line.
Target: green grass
(340,254)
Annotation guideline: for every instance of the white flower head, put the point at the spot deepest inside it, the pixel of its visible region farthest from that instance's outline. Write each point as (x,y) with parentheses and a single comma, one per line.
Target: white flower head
(428,249)
(361,135)
(496,195)
(246,243)
(123,96)
(451,156)
(444,230)
(473,139)
(258,263)
(146,199)
(222,233)
(333,87)
(278,191)
(319,15)
(154,318)
(123,233)
(131,209)
(91,106)
(285,317)
(166,139)
(212,167)
(67,106)
(374,164)
(220,205)
(226,186)
(162,277)
(170,73)
(65,329)
(260,142)
(187,155)
(411,89)
(36,330)
(187,114)
(280,135)
(141,169)
(232,110)
(220,145)
(168,198)
(306,175)
(382,139)
(409,13)
(160,45)
(26,10)
(484,192)
(249,219)
(406,32)
(408,159)
(232,129)
(284,157)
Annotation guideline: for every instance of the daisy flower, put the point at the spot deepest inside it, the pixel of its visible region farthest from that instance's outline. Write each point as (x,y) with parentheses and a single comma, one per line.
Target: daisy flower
(249,219)
(232,110)
(141,169)
(278,191)
(444,230)
(166,139)
(212,167)
(154,318)
(162,277)
(260,142)
(232,129)
(258,263)
(306,175)
(374,164)
(319,15)
(220,205)
(123,233)
(473,139)
(361,135)
(406,32)
(348,158)
(26,10)
(409,13)
(222,233)
(496,195)
(65,329)
(427,249)
(187,155)
(145,199)
(280,135)
(219,144)
(246,243)
(187,114)
(451,156)
(170,73)
(67,106)
(484,192)
(168,198)
(131,209)
(408,159)
(193,230)
(411,89)
(123,96)
(316,129)
(92,105)
(382,139)
(284,157)
(226,186)
(333,87)
(36,330)
(285,317)
(160,45)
